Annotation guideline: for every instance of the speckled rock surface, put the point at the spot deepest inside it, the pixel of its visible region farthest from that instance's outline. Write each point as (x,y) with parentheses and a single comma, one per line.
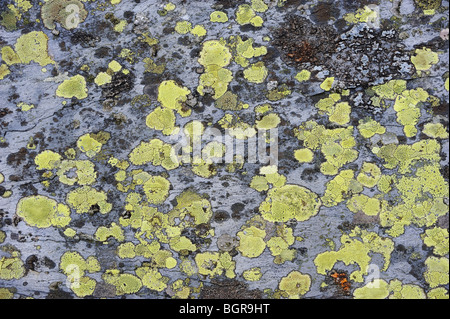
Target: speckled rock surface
(99,198)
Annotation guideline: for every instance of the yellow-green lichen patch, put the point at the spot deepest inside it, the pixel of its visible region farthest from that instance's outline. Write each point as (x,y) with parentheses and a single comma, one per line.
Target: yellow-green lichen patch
(102,78)
(304,155)
(124,283)
(69,232)
(172,96)
(126,250)
(32,47)
(215,55)
(369,175)
(68,13)
(244,50)
(256,73)
(252,274)
(74,266)
(259,6)
(278,93)
(246,15)
(424,59)
(406,156)
(438,293)
(6,293)
(183,27)
(268,122)
(155,152)
(437,271)
(215,264)
(422,200)
(81,172)
(295,285)
(369,127)
(161,119)
(228,102)
(378,289)
(356,251)
(103,233)
(40,211)
(9,56)
(290,202)
(11,267)
(365,14)
(435,130)
(4,71)
(89,145)
(335,144)
(407,107)
(25,107)
(303,76)
(279,245)
(199,30)
(438,238)
(218,16)
(327,84)
(47,160)
(236,127)
(251,242)
(73,87)
(338,113)
(401,291)
(152,278)
(156,188)
(362,203)
(87,199)
(192,204)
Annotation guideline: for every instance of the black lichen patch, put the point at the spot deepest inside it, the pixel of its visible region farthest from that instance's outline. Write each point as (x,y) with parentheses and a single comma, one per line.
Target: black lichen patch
(362,56)
(303,43)
(120,83)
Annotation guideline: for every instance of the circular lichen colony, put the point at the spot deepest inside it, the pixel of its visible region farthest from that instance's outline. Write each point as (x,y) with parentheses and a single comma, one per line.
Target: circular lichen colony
(42,212)
(290,202)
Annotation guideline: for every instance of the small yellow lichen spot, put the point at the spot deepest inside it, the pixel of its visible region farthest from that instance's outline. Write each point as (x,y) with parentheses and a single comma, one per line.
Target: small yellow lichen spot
(170,7)
(303,76)
(69,232)
(295,285)
(102,78)
(4,71)
(171,96)
(120,26)
(73,87)
(218,16)
(5,293)
(171,263)
(424,59)
(327,84)
(259,6)
(162,119)
(256,73)
(304,155)
(89,145)
(9,56)
(199,31)
(183,27)
(47,160)
(252,274)
(115,66)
